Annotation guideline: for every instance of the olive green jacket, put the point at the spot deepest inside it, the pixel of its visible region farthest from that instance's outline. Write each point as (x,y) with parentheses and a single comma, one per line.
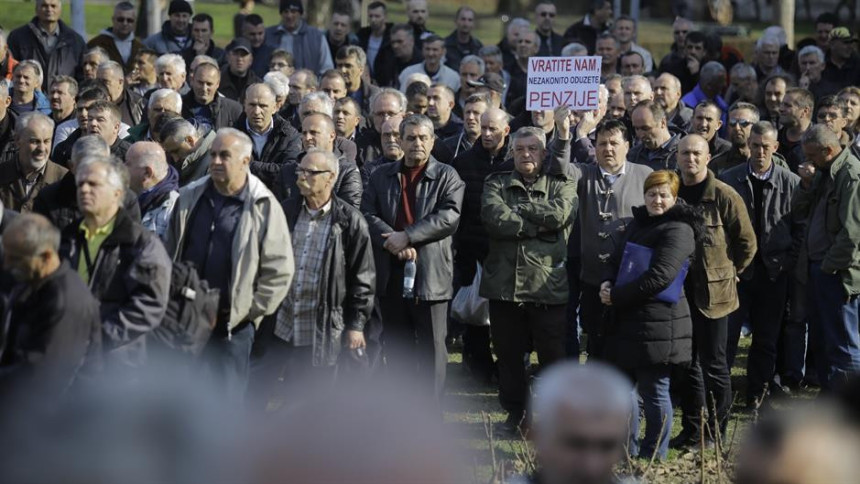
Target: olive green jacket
(842,217)
(528,228)
(726,250)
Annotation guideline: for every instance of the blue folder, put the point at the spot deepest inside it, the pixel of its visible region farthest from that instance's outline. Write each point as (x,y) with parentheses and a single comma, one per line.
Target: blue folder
(636,260)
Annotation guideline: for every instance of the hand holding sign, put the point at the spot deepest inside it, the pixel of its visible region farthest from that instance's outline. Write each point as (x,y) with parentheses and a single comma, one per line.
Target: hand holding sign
(562,122)
(563,81)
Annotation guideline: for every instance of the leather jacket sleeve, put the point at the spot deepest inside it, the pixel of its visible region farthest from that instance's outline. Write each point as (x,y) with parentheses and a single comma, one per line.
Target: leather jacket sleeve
(443,220)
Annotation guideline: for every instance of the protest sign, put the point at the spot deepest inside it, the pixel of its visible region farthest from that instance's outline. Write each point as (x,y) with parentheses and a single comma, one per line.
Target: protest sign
(570,81)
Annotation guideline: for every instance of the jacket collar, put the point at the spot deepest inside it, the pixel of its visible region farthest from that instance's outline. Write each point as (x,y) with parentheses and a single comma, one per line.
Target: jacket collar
(710,192)
(125,231)
(540,185)
(432,171)
(838,162)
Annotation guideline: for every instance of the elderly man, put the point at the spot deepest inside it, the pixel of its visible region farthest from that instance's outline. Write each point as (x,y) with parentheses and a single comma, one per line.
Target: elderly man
(160,101)
(49,41)
(22,179)
(91,60)
(550,42)
(767,56)
(54,328)
(657,146)
(384,105)
(588,405)
(156,184)
(767,190)
(308,44)
(170,73)
(433,49)
(320,103)
(130,104)
(58,201)
(276,142)
(712,286)
(408,232)
(712,82)
(667,93)
(204,101)
(26,92)
(234,231)
(828,201)
(744,84)
(8,119)
(318,131)
(119,41)
(609,186)
(636,89)
(391,150)
(331,297)
(528,216)
(461,43)
(175,34)
(811,61)
(187,147)
(62,95)
(124,265)
(707,120)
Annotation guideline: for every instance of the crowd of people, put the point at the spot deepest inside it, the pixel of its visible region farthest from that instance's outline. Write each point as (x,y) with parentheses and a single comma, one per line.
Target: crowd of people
(338,189)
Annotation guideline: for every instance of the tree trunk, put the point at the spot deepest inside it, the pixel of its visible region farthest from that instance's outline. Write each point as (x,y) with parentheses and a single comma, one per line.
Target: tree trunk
(784,17)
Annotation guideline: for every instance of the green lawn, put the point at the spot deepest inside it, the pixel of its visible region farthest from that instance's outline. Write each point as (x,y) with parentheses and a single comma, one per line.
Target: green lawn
(653,34)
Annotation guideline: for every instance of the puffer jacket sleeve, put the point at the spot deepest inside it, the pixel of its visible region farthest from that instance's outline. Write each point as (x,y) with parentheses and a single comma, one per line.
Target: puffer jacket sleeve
(669,253)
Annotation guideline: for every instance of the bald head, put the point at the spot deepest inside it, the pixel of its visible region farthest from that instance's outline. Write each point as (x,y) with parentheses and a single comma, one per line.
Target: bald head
(147,165)
(494,130)
(693,158)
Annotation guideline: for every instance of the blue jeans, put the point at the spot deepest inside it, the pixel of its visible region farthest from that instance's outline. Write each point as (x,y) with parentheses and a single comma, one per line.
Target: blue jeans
(652,386)
(834,332)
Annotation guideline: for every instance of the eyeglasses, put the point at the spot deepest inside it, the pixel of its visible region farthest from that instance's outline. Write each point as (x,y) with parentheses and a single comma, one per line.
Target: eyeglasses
(308,172)
(743,123)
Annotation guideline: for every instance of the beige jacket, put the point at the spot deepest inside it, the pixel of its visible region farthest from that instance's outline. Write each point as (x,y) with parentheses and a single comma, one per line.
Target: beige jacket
(262,253)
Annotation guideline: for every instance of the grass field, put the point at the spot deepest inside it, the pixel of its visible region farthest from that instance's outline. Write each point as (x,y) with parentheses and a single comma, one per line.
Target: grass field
(654,34)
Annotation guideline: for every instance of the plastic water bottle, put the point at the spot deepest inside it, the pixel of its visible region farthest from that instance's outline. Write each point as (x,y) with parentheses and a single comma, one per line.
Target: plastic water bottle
(409,280)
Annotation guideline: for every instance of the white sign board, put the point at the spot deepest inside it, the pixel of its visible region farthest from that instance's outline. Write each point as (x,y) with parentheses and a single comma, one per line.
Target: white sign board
(556,81)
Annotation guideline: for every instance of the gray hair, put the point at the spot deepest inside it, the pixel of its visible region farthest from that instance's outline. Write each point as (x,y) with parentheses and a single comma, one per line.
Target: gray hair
(265,87)
(767,40)
(673,79)
(114,67)
(822,136)
(742,69)
(246,146)
(491,51)
(517,22)
(279,82)
(97,50)
(35,232)
(748,107)
(117,174)
(812,49)
(37,68)
(330,158)
(416,120)
(327,102)
(174,60)
(634,78)
(5,85)
(777,33)
(90,145)
(527,131)
(390,91)
(574,49)
(160,94)
(26,119)
(711,70)
(589,387)
(204,59)
(764,128)
(473,59)
(150,154)
(177,130)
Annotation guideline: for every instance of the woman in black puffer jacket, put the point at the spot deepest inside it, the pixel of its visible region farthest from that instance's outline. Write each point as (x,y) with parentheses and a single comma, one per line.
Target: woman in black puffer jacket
(648,336)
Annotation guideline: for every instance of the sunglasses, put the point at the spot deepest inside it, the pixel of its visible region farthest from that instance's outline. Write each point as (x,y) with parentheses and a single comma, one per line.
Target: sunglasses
(743,123)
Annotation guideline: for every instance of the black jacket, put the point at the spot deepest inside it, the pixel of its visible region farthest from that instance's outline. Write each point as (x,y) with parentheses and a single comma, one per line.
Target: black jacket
(214,52)
(224,111)
(387,67)
(471,241)
(233,88)
(348,278)
(63,152)
(64,60)
(363,35)
(54,332)
(455,52)
(12,191)
(369,145)
(584,34)
(8,149)
(438,197)
(347,187)
(283,146)
(59,202)
(664,158)
(644,330)
(131,279)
